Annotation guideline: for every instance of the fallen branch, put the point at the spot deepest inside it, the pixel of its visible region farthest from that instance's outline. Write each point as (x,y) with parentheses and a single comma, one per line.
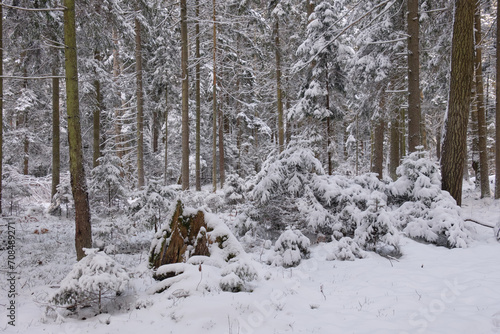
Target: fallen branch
(479,223)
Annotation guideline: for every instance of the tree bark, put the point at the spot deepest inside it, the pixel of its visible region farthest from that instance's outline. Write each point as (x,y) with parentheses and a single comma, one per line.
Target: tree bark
(281,130)
(118,108)
(1,105)
(222,163)
(56,138)
(83,232)
(394,151)
(462,68)
(414,114)
(140,104)
(481,113)
(185,97)
(165,177)
(378,147)
(214,104)
(97,117)
(198,100)
(497,116)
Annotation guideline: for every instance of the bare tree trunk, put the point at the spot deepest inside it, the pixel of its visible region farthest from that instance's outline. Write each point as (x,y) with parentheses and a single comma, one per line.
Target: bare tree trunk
(166,137)
(83,230)
(481,113)
(140,104)
(462,68)
(414,114)
(328,133)
(1,105)
(222,163)
(118,113)
(394,152)
(56,138)
(281,130)
(97,117)
(198,100)
(214,104)
(402,141)
(156,132)
(497,116)
(378,147)
(185,97)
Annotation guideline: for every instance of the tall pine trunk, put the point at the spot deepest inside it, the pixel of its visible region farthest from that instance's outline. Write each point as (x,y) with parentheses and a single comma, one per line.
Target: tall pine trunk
(185,97)
(1,105)
(481,113)
(198,100)
(97,117)
(83,232)
(414,114)
(119,107)
(214,104)
(279,93)
(56,138)
(394,157)
(140,104)
(462,68)
(165,177)
(497,116)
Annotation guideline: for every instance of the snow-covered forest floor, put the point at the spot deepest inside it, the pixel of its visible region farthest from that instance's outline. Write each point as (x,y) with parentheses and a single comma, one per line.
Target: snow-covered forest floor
(429,289)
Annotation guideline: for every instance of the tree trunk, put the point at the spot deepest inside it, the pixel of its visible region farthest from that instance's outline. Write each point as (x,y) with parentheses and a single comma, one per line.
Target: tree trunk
(474,151)
(83,232)
(402,132)
(56,140)
(414,115)
(497,116)
(222,163)
(1,105)
(394,152)
(140,104)
(185,97)
(118,109)
(481,113)
(462,68)
(166,137)
(281,130)
(155,129)
(198,100)
(378,147)
(214,104)
(97,117)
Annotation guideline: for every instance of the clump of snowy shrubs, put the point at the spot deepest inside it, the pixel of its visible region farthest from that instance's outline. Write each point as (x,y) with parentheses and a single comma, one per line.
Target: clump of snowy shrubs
(234,192)
(292,186)
(92,280)
(425,211)
(290,248)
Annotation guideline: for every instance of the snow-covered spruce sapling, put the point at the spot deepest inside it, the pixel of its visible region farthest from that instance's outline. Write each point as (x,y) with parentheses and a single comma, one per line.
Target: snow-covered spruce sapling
(94,278)
(106,183)
(425,211)
(290,248)
(63,196)
(153,204)
(376,231)
(234,193)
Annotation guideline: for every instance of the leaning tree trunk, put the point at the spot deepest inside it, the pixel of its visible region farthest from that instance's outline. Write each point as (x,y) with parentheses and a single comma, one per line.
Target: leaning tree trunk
(481,113)
(166,137)
(414,115)
(185,97)
(83,232)
(140,105)
(462,68)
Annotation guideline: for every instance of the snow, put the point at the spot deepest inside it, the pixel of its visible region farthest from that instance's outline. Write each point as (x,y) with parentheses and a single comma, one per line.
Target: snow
(429,289)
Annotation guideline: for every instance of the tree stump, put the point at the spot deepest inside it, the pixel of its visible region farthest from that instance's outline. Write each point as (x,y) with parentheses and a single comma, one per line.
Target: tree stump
(187,232)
